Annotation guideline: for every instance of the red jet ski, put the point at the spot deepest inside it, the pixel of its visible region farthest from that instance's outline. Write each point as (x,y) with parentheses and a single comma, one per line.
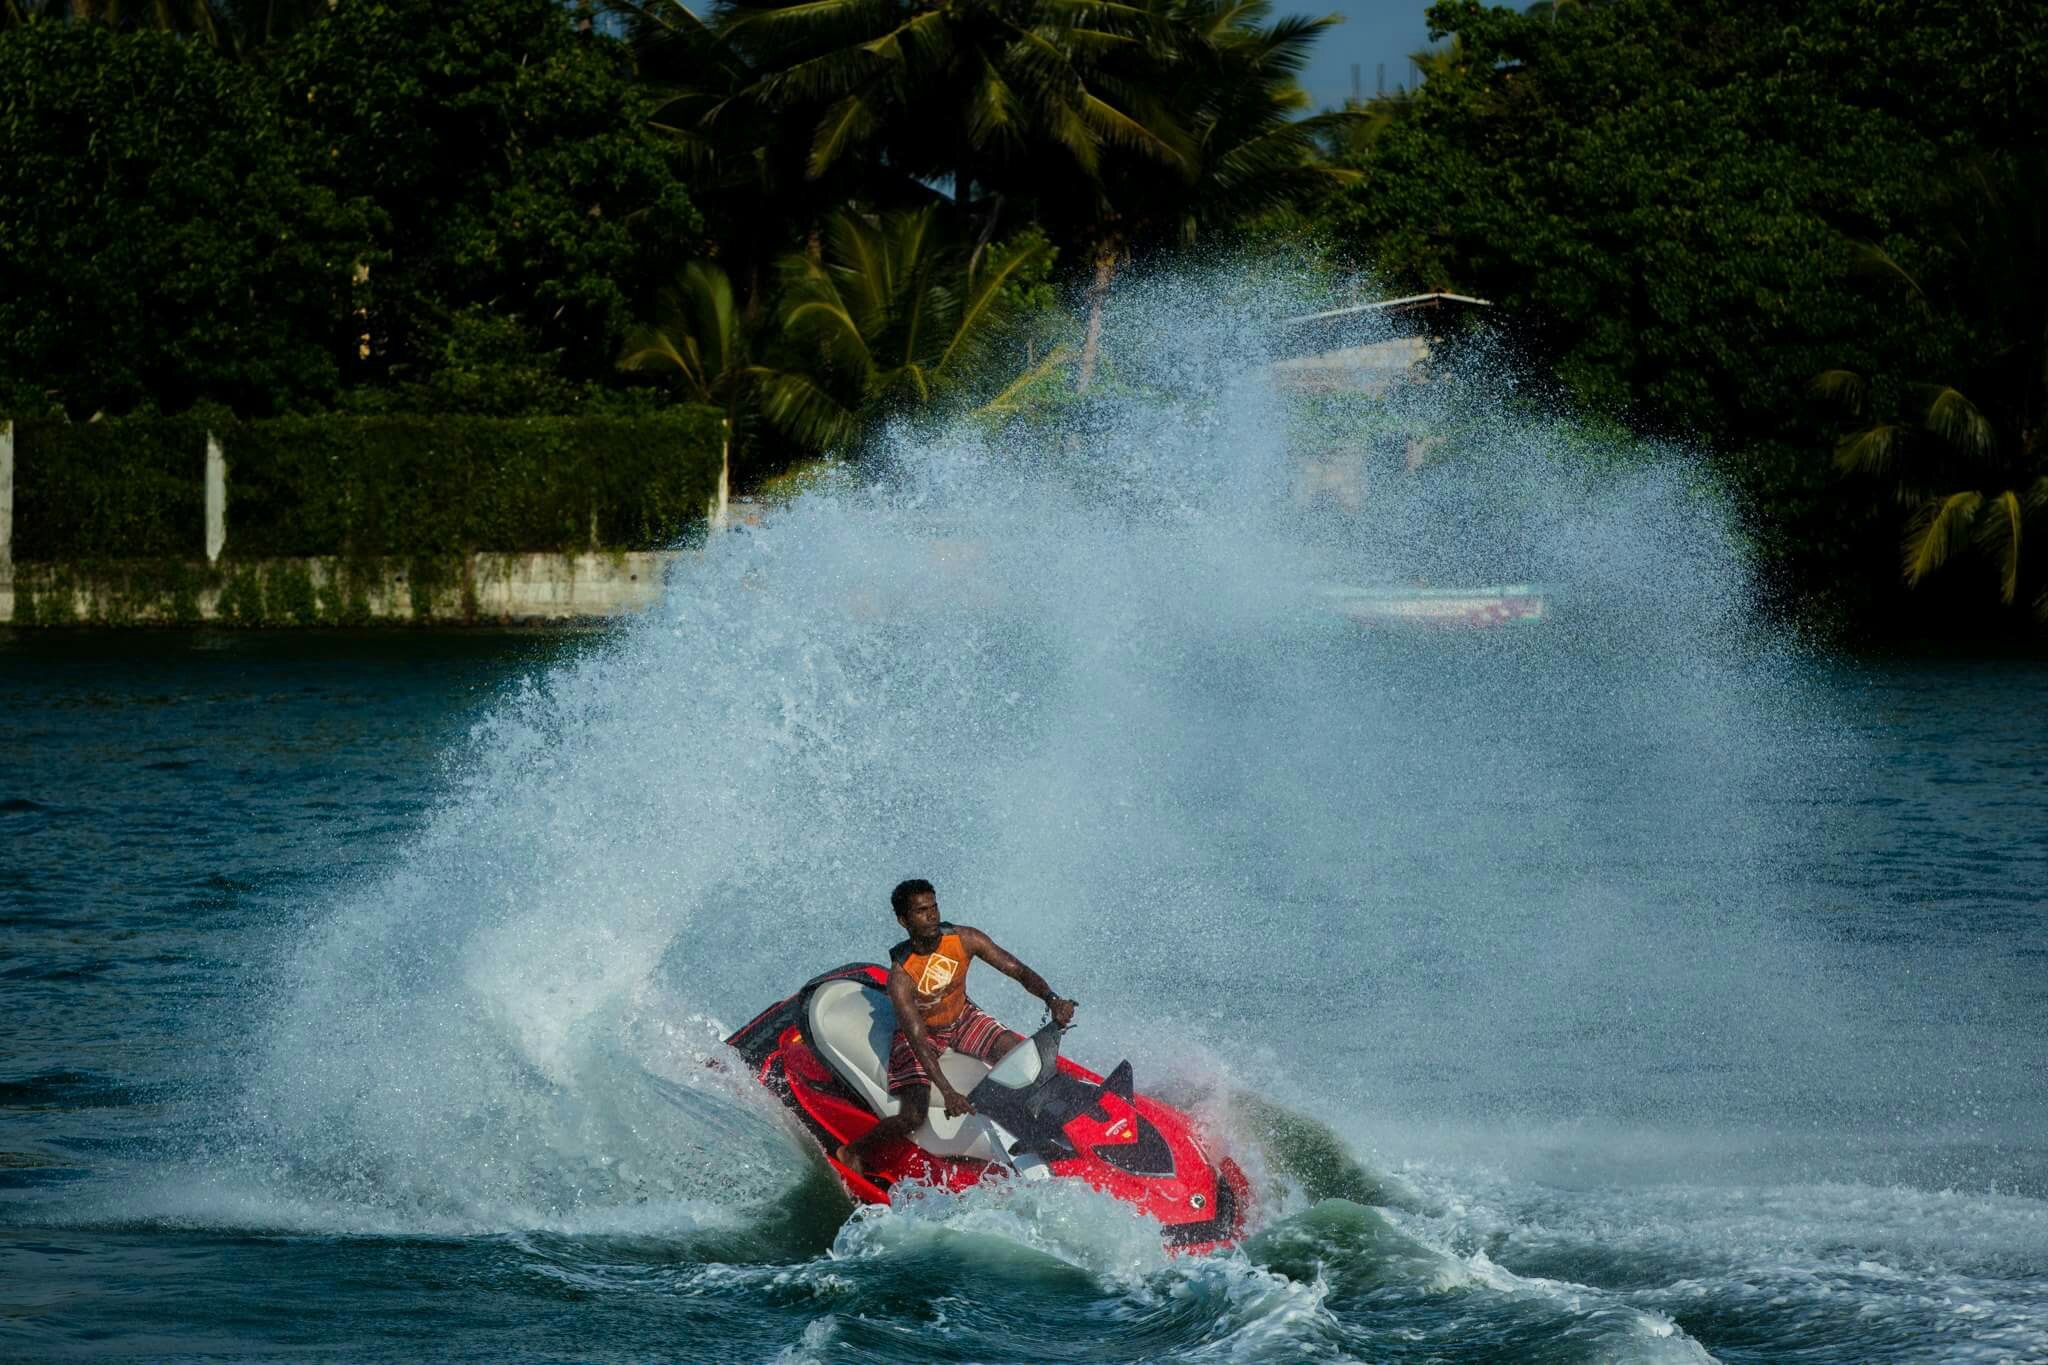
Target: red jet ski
(824,1052)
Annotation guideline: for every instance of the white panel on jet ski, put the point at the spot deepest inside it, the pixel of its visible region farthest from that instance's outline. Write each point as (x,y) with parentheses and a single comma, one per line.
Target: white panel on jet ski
(852,1027)
(970,1134)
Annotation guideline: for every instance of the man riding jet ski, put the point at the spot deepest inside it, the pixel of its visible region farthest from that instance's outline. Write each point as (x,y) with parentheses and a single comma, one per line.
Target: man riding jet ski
(928,990)
(1012,1106)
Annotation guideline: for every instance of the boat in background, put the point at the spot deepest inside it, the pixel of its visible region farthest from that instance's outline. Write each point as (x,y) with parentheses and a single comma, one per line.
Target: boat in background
(1482,608)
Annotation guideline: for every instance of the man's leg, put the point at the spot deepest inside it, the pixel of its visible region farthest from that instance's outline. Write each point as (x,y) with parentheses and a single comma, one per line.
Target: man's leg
(915,1102)
(981,1035)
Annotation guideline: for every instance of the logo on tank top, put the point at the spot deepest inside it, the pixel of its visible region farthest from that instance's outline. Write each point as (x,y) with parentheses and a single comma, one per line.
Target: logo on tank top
(939,972)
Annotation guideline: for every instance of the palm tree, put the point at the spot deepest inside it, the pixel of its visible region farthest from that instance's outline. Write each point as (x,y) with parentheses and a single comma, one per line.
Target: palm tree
(699,340)
(893,316)
(1230,81)
(899,313)
(1965,452)
(749,161)
(981,93)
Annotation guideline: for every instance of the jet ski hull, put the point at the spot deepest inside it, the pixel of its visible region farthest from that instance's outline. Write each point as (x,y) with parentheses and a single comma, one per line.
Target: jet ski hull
(1081,1126)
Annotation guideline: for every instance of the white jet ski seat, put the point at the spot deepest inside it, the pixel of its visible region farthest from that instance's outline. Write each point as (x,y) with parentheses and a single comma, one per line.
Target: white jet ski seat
(852,1026)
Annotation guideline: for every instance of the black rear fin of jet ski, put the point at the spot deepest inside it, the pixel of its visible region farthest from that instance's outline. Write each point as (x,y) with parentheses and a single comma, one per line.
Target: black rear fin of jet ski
(1118,1082)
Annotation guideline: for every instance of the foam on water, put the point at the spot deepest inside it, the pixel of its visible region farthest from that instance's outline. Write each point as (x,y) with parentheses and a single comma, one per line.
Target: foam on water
(1082,675)
(1071,1224)
(1865,1272)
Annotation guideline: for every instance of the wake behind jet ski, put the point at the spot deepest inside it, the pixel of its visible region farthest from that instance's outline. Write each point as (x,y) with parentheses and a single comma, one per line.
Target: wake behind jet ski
(824,1051)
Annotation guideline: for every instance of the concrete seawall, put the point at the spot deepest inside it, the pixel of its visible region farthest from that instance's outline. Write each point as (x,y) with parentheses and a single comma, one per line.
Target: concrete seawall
(476,589)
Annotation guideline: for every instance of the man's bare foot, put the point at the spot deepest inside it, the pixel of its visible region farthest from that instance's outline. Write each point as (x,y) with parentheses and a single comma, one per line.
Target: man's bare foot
(849,1158)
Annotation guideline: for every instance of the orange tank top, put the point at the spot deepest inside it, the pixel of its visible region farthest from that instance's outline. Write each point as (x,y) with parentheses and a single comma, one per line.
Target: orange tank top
(939,977)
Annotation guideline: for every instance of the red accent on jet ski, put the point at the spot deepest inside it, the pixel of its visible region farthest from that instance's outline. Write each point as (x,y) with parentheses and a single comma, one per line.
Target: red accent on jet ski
(1127,1145)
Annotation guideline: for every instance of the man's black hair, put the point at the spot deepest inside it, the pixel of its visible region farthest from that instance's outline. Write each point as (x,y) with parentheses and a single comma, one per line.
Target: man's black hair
(899,899)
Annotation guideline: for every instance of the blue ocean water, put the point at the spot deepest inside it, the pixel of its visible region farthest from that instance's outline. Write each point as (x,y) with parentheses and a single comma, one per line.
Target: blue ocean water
(177,808)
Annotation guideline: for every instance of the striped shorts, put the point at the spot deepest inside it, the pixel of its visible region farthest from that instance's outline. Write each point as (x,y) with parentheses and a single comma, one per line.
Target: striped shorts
(974,1034)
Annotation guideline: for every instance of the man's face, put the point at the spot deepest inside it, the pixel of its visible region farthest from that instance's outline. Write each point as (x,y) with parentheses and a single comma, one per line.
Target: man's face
(921,916)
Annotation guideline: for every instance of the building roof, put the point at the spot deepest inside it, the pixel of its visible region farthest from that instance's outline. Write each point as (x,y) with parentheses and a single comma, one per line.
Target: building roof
(1411,303)
(1365,347)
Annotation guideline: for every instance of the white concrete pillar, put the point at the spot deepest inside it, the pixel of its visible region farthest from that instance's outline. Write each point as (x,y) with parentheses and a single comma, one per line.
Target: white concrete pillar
(721,504)
(216,499)
(6,502)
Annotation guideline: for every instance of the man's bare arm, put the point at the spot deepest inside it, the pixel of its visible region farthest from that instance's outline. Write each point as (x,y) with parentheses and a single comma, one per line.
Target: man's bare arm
(903,995)
(991,952)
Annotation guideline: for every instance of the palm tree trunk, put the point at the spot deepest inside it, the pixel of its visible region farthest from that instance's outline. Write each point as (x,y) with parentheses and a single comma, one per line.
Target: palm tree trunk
(1098,293)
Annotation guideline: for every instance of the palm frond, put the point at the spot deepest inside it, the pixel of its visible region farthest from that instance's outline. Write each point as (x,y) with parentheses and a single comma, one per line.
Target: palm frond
(1954,418)
(1072,13)
(1284,49)
(1089,45)
(697,332)
(650,348)
(826,320)
(928,262)
(1115,126)
(805,410)
(1006,401)
(824,77)
(1224,19)
(806,13)
(1844,387)
(2000,534)
(1935,532)
(845,126)
(863,271)
(1065,127)
(928,38)
(1874,450)
(984,298)
(667,18)
(912,376)
(994,114)
(1872,259)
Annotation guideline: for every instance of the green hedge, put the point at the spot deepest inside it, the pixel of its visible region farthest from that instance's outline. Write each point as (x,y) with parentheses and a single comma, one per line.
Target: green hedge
(447,485)
(364,486)
(109,490)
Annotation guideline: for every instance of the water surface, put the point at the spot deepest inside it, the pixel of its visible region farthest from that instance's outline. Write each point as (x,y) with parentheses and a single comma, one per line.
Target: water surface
(176,805)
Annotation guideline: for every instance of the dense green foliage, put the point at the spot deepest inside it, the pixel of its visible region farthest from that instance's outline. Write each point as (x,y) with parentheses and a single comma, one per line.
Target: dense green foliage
(1108,129)
(1666,199)
(1959,435)
(246,29)
(363,486)
(497,192)
(449,485)
(407,207)
(158,243)
(101,490)
(515,179)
